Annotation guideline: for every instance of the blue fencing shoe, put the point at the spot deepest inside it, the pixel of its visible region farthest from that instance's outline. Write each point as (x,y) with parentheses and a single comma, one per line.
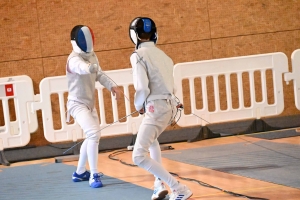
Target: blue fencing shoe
(82,177)
(95,181)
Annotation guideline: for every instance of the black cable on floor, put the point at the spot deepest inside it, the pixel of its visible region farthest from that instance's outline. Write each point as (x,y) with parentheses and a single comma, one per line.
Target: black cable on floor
(118,152)
(214,187)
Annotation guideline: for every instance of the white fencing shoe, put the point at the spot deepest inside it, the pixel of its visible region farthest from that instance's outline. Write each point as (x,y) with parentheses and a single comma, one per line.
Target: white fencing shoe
(160,190)
(181,193)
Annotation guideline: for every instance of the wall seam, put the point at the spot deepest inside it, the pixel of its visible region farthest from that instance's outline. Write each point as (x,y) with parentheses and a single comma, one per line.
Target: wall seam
(211,45)
(125,48)
(38,21)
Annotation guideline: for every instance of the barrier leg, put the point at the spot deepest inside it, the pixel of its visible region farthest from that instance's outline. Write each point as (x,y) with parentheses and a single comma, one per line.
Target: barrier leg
(204,133)
(74,157)
(3,160)
(259,125)
(133,139)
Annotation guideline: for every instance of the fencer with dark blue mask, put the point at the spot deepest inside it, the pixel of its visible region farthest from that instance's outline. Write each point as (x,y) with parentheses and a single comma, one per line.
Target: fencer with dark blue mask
(148,27)
(153,81)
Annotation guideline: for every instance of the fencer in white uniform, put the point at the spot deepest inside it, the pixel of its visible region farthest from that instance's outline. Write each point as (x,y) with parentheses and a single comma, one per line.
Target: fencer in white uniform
(83,70)
(154,85)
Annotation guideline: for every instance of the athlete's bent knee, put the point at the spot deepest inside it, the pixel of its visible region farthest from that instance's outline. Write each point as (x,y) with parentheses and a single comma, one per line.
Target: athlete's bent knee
(138,159)
(94,138)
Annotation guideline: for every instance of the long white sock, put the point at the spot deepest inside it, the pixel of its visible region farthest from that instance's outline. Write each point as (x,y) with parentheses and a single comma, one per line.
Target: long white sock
(155,153)
(92,152)
(156,168)
(82,158)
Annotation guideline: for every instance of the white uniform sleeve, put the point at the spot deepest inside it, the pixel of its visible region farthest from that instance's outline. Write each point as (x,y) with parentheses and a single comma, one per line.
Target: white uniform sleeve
(140,81)
(78,65)
(105,80)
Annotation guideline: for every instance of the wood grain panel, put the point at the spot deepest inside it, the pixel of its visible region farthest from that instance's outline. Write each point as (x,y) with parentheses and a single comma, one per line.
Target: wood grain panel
(176,22)
(19,30)
(244,17)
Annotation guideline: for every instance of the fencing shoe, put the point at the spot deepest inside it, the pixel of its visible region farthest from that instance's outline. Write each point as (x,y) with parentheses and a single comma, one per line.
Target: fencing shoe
(95,181)
(160,190)
(81,177)
(181,193)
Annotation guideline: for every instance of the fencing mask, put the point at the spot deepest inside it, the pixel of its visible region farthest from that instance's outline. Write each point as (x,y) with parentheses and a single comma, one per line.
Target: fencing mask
(142,25)
(84,38)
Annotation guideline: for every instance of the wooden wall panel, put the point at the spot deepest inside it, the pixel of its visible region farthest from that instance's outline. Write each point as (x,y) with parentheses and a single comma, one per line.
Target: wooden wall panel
(244,17)
(188,51)
(19,33)
(55,66)
(110,21)
(32,68)
(285,42)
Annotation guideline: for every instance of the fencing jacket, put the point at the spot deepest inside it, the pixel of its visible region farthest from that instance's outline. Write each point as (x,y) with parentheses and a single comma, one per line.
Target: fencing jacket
(152,74)
(81,84)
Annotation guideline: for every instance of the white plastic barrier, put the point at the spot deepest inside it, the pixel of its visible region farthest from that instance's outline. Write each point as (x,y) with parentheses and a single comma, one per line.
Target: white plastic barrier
(58,85)
(295,76)
(277,62)
(17,133)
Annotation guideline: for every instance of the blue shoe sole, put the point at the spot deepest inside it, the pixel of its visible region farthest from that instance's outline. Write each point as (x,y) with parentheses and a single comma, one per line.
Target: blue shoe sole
(96,185)
(79,179)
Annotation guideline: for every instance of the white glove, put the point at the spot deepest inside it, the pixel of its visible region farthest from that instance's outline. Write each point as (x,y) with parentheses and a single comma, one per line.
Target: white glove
(93,68)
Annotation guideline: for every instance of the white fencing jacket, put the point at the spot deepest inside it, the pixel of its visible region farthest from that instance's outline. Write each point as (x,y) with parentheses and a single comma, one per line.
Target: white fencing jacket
(152,74)
(81,83)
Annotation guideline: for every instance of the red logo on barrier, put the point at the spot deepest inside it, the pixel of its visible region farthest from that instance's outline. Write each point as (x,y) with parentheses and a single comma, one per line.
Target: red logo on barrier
(9,90)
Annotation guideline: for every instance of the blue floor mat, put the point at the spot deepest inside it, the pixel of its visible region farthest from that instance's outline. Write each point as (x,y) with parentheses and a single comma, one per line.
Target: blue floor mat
(267,161)
(54,181)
